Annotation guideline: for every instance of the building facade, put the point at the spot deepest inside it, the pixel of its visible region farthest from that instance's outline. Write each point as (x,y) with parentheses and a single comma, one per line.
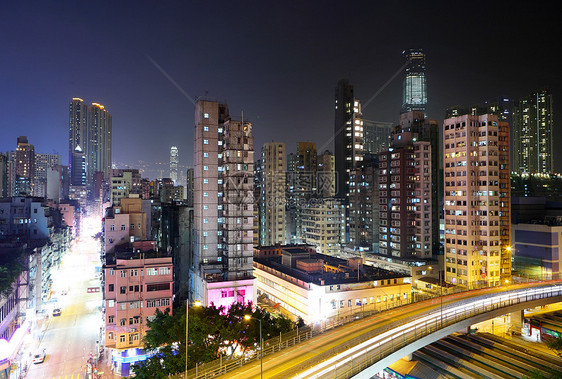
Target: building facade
(318,287)
(414,90)
(477,201)
(223,206)
(137,283)
(174,164)
(533,122)
(272,194)
(323,225)
(99,141)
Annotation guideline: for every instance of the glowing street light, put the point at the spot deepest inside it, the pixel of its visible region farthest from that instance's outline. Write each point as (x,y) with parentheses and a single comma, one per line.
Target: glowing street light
(248,318)
(195,304)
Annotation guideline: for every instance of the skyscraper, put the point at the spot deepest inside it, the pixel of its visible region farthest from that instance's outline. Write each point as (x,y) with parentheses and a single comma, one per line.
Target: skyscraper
(223,207)
(272,196)
(99,141)
(477,200)
(174,164)
(414,91)
(77,132)
(532,133)
(348,135)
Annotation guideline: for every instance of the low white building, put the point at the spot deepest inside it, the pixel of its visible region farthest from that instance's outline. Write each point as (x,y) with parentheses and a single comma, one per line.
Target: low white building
(317,287)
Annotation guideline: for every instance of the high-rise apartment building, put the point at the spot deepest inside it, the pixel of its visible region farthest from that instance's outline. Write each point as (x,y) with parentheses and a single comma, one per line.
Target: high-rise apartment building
(414,91)
(477,200)
(323,225)
(42,164)
(304,181)
(223,206)
(348,135)
(25,167)
(272,196)
(533,121)
(364,205)
(427,130)
(376,136)
(405,199)
(99,141)
(174,164)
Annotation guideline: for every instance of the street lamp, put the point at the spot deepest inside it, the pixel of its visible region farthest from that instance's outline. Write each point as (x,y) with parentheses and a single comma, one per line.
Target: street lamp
(247,318)
(195,304)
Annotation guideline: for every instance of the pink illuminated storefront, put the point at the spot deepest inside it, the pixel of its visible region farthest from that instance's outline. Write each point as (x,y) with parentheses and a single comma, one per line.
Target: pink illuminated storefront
(229,292)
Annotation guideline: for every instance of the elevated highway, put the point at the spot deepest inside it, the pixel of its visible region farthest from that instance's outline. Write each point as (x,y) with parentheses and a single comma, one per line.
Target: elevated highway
(362,348)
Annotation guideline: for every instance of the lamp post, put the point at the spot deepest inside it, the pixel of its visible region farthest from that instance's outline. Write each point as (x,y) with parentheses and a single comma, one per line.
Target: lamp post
(441,287)
(196,304)
(247,318)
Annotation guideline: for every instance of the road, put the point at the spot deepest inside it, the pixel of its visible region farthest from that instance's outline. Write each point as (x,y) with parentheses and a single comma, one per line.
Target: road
(317,357)
(70,338)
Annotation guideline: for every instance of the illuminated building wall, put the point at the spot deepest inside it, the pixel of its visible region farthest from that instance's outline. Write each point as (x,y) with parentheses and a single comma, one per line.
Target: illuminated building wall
(477,201)
(414,92)
(533,121)
(136,285)
(323,225)
(335,291)
(536,249)
(376,136)
(77,138)
(364,204)
(223,204)
(348,135)
(99,148)
(405,201)
(272,196)
(174,164)
(25,167)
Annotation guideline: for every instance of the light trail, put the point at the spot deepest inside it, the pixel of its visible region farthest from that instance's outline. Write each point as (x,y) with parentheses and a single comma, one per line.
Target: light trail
(434,317)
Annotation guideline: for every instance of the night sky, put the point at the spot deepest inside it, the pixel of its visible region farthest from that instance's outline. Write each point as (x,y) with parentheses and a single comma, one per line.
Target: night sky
(278,62)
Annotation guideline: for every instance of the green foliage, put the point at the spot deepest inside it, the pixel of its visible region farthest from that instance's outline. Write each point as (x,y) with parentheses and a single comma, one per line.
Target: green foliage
(555,344)
(547,373)
(212,332)
(10,268)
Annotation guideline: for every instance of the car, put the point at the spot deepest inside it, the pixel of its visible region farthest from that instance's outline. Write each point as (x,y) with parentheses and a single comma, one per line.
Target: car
(56,312)
(39,357)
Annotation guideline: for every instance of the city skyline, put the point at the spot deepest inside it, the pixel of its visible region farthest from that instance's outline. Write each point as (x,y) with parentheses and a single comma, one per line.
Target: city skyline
(260,65)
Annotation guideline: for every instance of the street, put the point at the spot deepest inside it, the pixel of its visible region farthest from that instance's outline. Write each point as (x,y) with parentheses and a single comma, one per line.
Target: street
(69,339)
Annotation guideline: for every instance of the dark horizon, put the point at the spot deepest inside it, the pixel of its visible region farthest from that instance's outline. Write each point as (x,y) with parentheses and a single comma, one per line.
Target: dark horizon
(279,64)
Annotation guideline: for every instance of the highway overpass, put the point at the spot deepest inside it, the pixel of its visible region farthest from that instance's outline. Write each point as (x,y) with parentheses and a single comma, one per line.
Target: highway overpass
(364,347)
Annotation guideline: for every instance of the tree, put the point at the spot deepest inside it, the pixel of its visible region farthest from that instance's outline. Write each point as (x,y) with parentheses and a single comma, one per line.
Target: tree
(555,344)
(212,332)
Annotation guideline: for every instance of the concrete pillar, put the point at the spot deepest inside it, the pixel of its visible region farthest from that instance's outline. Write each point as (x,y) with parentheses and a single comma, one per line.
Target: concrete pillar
(517,320)
(409,357)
